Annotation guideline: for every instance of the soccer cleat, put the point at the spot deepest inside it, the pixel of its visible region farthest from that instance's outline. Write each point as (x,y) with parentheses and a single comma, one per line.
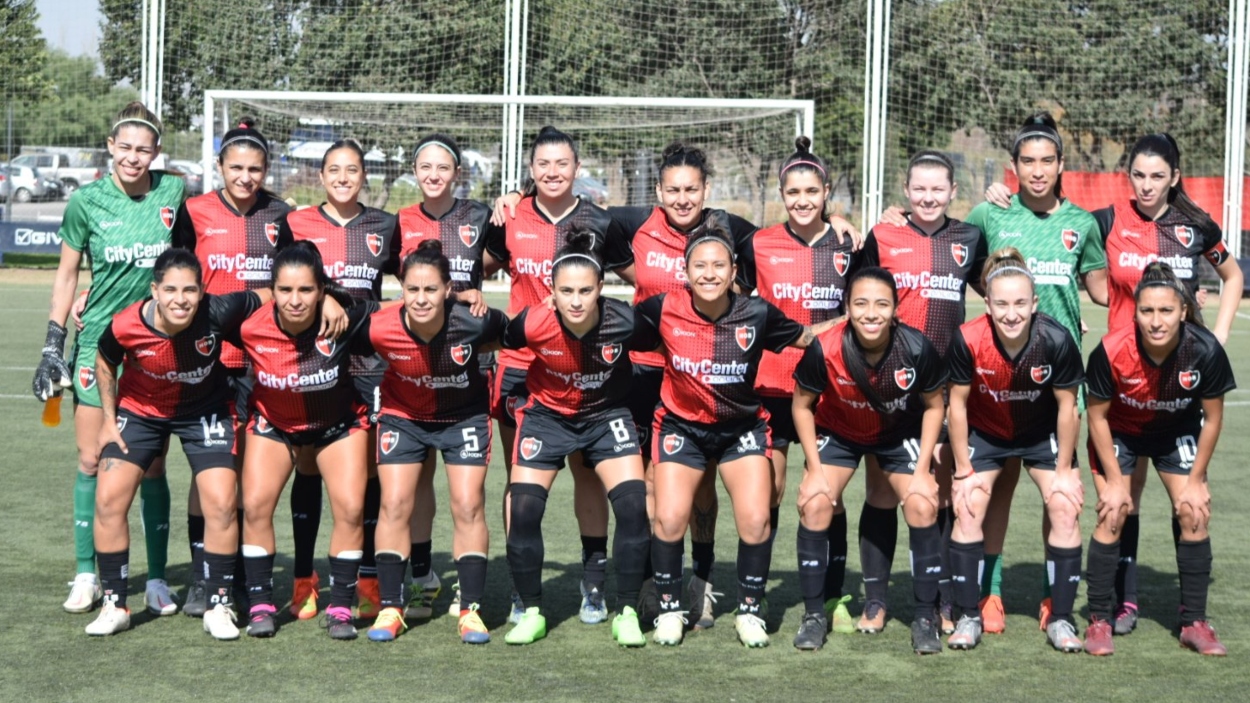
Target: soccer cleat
(1043,613)
(1125,620)
(626,630)
(304,598)
(533,627)
(993,617)
(947,619)
(387,627)
(750,629)
(812,629)
(967,633)
(454,607)
(84,593)
(110,621)
(873,619)
(594,610)
(839,616)
(195,603)
(670,627)
(1200,637)
(261,621)
(924,636)
(648,602)
(338,623)
(219,622)
(1062,636)
(368,597)
(1098,637)
(421,602)
(472,629)
(702,603)
(518,609)
(158,599)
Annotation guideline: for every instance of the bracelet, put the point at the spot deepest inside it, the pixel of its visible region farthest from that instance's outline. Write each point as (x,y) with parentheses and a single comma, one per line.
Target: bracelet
(960,478)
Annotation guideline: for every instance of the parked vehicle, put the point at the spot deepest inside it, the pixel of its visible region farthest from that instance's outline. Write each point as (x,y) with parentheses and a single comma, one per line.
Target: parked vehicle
(592,189)
(22,184)
(74,168)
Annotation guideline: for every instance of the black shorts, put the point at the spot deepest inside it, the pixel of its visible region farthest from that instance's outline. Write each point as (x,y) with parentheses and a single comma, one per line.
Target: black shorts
(207,441)
(544,438)
(895,457)
(241,383)
(259,426)
(696,444)
(644,397)
(507,393)
(404,441)
(369,393)
(989,453)
(780,421)
(1173,455)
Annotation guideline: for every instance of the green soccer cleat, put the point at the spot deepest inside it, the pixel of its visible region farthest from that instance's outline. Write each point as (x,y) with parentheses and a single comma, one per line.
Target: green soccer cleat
(531,628)
(626,630)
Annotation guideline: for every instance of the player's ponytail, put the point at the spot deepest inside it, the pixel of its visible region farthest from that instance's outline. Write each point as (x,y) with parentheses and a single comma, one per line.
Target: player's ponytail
(1040,125)
(244,136)
(1158,274)
(804,161)
(428,253)
(136,113)
(1166,148)
(441,141)
(177,258)
(852,354)
(931,158)
(1005,262)
(678,154)
(579,250)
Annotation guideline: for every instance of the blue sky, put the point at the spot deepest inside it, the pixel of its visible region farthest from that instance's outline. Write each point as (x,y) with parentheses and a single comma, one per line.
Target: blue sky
(72,25)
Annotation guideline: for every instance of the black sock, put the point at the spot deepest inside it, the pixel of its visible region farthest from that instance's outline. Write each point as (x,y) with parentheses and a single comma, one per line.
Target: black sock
(666,556)
(259,579)
(926,568)
(594,561)
(240,572)
(1193,564)
(471,571)
(1100,578)
(835,575)
(219,578)
(1063,564)
(305,521)
(967,559)
(702,556)
(114,568)
(391,569)
(421,559)
(774,519)
(945,522)
(753,561)
(525,541)
(631,541)
(1126,571)
(373,506)
(344,573)
(195,541)
(878,532)
(813,552)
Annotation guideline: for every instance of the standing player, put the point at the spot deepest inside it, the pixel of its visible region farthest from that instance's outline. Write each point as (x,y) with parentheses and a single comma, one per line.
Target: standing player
(123,223)
(358,245)
(171,344)
(879,386)
(576,403)
(1156,391)
(1015,374)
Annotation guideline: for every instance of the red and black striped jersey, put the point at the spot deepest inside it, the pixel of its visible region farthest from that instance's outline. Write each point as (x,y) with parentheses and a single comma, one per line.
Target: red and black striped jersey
(657,251)
(463,231)
(910,368)
(171,377)
(438,380)
(806,282)
(1133,241)
(302,381)
(931,272)
(579,376)
(529,242)
(1157,399)
(235,249)
(709,374)
(1014,399)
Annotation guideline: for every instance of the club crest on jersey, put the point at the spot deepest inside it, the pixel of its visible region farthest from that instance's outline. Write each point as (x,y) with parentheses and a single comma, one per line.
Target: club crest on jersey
(167,217)
(1040,374)
(960,254)
(1069,238)
(388,440)
(530,447)
(745,337)
(610,353)
(468,235)
(904,377)
(841,262)
(271,233)
(325,346)
(86,378)
(673,443)
(1184,235)
(205,345)
(1189,379)
(461,353)
(374,242)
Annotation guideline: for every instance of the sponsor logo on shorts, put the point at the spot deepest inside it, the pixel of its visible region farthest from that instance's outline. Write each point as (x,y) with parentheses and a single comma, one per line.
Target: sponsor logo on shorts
(121,423)
(1189,379)
(461,353)
(374,242)
(841,262)
(905,377)
(1184,235)
(167,217)
(622,447)
(822,441)
(530,447)
(745,337)
(326,346)
(86,378)
(262,425)
(468,235)
(1040,374)
(1069,238)
(271,233)
(673,443)
(205,345)
(388,441)
(610,352)
(960,254)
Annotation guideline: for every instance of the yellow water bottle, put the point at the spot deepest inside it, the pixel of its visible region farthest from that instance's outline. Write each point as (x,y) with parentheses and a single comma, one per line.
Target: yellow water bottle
(52,411)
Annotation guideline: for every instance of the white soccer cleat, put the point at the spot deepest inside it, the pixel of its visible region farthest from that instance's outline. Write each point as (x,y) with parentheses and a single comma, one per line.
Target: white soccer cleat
(110,621)
(158,598)
(84,593)
(219,622)
(670,627)
(751,631)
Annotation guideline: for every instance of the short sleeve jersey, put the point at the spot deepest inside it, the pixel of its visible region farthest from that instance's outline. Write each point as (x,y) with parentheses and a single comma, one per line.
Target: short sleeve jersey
(1013,399)
(462,230)
(437,380)
(709,374)
(123,236)
(806,282)
(1133,241)
(931,272)
(1057,247)
(171,377)
(235,249)
(909,369)
(1158,400)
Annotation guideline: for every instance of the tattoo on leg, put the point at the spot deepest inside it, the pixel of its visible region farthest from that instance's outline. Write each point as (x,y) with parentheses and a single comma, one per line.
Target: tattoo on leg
(108,464)
(703,523)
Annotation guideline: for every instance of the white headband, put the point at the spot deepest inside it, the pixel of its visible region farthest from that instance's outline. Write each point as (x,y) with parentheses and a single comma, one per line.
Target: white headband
(449,150)
(1005,269)
(578,255)
(138,120)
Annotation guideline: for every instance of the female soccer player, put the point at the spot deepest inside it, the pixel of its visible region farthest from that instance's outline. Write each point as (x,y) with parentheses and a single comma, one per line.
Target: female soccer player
(879,384)
(124,221)
(1014,375)
(577,388)
(434,398)
(358,245)
(710,416)
(171,344)
(304,403)
(1156,390)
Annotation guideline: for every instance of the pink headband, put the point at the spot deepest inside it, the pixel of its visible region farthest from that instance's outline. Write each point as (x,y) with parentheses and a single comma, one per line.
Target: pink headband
(813,164)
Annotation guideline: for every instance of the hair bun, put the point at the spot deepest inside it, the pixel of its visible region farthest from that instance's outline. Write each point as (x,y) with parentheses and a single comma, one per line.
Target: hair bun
(247,123)
(803,145)
(431,246)
(673,149)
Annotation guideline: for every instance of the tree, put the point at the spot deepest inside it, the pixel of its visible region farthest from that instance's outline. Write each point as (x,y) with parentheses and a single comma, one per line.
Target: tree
(80,106)
(22,52)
